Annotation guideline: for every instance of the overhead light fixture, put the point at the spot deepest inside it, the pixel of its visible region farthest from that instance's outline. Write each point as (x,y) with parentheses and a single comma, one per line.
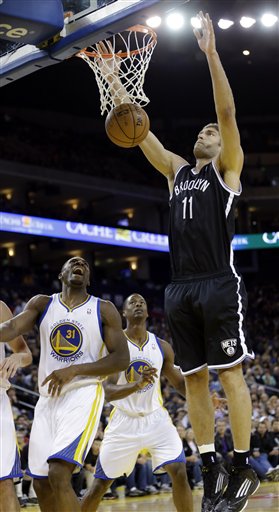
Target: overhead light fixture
(175,21)
(224,24)
(196,22)
(134,265)
(130,213)
(73,203)
(154,22)
(268,20)
(11,252)
(246,52)
(247,22)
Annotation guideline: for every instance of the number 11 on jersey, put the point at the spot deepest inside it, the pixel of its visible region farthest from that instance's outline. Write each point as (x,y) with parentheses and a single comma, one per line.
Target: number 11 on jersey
(187,201)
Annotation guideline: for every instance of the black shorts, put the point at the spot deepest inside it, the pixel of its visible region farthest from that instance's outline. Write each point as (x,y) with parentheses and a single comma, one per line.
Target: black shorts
(206,320)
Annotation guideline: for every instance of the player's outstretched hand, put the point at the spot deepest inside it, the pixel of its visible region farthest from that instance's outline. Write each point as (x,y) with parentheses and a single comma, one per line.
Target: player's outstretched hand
(205,35)
(57,379)
(147,377)
(10,365)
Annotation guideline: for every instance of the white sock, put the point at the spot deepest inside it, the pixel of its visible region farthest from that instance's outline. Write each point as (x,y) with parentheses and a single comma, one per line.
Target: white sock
(205,448)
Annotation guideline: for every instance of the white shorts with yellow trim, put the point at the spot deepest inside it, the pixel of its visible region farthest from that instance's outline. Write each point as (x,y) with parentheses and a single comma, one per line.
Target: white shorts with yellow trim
(64,428)
(125,437)
(9,453)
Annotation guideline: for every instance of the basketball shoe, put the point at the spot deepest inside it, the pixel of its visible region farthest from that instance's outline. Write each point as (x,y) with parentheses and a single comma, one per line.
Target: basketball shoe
(243,482)
(215,480)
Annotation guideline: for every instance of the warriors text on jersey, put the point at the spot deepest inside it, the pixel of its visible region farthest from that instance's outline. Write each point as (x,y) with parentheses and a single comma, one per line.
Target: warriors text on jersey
(70,336)
(148,399)
(201,223)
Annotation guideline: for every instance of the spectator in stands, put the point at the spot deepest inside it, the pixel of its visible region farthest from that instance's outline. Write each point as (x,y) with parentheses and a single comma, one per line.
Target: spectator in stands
(261,447)
(224,442)
(137,481)
(268,379)
(274,434)
(182,416)
(13,401)
(90,461)
(194,462)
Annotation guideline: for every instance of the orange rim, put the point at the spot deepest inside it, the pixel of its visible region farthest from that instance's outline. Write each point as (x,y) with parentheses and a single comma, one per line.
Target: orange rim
(122,55)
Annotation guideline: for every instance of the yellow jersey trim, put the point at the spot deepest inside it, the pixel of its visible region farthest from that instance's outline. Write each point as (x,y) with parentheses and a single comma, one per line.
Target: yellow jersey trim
(135,344)
(82,445)
(72,309)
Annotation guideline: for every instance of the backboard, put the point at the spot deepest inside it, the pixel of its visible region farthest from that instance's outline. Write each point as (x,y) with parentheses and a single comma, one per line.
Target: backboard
(64,29)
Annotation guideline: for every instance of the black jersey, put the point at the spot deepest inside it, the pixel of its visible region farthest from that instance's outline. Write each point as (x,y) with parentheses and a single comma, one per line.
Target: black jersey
(201,225)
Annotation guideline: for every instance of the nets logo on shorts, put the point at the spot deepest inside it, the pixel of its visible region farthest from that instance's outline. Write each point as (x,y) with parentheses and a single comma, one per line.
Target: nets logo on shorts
(229,346)
(135,369)
(66,339)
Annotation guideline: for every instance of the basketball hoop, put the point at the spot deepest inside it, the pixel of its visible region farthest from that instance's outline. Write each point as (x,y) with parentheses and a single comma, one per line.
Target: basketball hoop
(131,51)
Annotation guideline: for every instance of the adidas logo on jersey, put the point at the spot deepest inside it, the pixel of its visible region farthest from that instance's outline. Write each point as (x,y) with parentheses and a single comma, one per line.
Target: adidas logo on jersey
(229,346)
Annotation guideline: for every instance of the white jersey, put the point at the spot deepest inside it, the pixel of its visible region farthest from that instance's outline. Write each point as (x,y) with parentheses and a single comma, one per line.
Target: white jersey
(68,337)
(2,352)
(148,399)
(9,456)
(4,383)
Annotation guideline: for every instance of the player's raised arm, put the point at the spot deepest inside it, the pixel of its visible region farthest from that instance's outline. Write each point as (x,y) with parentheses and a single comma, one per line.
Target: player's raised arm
(25,321)
(162,160)
(230,160)
(21,354)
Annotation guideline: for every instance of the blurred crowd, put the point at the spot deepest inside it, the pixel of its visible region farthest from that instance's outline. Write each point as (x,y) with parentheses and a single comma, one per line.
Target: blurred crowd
(82,147)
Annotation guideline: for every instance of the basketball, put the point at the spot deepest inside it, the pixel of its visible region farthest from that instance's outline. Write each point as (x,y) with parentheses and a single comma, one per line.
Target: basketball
(127,125)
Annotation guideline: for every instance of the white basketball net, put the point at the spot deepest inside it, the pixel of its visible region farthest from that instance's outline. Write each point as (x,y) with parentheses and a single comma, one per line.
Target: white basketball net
(120,73)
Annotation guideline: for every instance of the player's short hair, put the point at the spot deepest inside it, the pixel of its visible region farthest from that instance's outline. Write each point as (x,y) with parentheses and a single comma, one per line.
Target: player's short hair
(124,305)
(212,125)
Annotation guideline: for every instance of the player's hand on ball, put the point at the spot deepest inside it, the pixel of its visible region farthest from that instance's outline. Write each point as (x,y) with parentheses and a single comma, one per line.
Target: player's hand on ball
(147,377)
(58,378)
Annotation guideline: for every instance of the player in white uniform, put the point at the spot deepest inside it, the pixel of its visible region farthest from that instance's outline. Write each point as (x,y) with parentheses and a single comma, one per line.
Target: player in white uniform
(9,453)
(139,419)
(81,340)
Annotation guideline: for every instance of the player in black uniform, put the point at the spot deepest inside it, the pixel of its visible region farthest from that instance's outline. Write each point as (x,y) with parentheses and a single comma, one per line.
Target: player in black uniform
(206,300)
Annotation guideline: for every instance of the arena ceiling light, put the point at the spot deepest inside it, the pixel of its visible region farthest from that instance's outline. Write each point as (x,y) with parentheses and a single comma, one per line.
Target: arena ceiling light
(268,19)
(247,22)
(224,24)
(154,22)
(175,21)
(246,52)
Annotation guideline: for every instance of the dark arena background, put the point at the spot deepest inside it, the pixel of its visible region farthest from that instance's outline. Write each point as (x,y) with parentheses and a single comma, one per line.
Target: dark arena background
(66,190)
